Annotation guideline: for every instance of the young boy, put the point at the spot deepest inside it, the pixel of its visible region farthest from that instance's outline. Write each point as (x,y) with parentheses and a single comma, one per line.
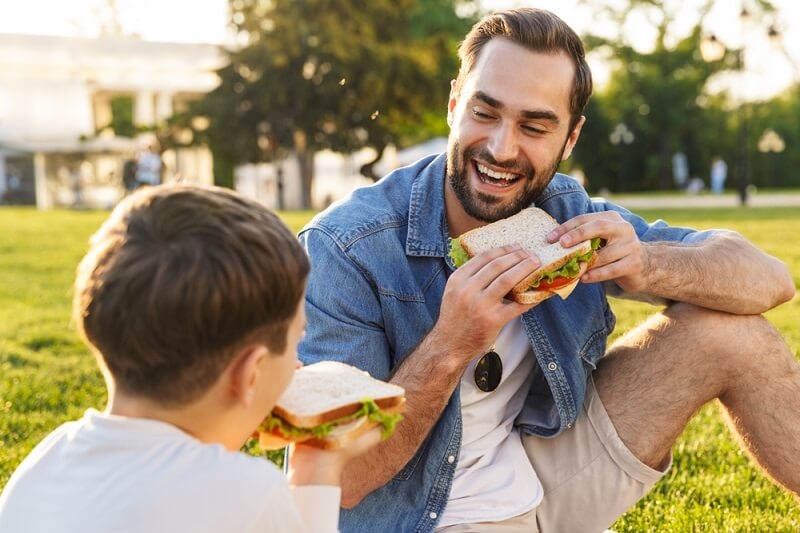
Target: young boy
(192,299)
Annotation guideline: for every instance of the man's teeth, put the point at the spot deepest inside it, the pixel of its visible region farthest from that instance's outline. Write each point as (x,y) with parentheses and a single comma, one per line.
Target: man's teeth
(496,175)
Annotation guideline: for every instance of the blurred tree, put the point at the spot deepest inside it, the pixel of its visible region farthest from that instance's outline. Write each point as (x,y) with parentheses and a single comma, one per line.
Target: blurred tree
(329,74)
(121,117)
(657,94)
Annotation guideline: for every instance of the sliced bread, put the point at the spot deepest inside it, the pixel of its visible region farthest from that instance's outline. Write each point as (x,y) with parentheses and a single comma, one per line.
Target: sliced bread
(328,390)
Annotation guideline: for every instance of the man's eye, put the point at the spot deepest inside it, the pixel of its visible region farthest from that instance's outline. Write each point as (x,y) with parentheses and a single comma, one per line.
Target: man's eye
(533,131)
(481,114)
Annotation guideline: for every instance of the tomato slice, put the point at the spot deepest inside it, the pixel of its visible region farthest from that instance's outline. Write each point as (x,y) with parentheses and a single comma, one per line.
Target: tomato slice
(556,284)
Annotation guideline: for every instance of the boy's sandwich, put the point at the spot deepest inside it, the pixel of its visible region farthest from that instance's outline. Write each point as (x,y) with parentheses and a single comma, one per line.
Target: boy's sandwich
(328,405)
(561,267)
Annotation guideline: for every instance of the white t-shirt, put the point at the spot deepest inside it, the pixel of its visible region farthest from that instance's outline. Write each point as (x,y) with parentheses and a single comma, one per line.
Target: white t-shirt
(106,473)
(494,480)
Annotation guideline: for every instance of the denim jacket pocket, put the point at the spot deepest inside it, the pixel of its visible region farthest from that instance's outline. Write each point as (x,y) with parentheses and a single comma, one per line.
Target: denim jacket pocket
(594,349)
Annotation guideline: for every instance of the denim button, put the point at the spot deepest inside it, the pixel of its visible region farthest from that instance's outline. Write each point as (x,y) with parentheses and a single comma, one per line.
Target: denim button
(433,516)
(552,366)
(451,459)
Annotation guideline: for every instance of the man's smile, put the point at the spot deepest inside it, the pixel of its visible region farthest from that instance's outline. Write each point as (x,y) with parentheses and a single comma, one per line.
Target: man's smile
(495,178)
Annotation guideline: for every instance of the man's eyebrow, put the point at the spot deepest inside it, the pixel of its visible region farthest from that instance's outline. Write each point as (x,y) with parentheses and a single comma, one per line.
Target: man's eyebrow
(538,114)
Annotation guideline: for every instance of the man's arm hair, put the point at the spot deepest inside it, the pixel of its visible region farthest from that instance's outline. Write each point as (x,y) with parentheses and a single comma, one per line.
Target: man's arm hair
(725,272)
(426,399)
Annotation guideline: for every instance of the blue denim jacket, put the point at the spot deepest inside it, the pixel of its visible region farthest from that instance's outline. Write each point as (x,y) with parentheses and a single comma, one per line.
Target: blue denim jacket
(379,268)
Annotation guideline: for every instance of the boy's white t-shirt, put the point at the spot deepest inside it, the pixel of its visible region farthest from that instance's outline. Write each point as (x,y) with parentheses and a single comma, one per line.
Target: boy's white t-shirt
(106,473)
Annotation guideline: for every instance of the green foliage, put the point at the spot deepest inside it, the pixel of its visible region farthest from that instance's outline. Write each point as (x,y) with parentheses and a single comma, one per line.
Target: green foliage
(331,74)
(661,95)
(47,376)
(122,116)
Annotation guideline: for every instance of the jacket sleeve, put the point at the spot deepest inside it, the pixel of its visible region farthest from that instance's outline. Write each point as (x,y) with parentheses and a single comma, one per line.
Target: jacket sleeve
(344,321)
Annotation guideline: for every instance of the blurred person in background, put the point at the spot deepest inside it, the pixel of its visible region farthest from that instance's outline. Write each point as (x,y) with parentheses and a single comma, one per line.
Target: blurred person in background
(148,167)
(719,172)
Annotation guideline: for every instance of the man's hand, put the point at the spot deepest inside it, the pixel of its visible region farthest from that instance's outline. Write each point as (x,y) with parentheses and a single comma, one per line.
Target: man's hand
(622,258)
(473,309)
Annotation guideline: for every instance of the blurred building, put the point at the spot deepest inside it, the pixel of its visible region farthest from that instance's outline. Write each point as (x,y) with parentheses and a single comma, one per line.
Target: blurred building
(73,110)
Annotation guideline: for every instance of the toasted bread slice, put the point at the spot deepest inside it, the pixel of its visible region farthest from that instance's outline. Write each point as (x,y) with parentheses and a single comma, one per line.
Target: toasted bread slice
(329,390)
(528,228)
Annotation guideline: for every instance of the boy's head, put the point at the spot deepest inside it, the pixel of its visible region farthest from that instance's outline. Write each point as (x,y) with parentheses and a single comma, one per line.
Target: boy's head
(177,280)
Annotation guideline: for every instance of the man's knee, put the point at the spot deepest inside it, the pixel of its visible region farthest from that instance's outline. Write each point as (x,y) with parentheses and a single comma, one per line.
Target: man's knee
(738,339)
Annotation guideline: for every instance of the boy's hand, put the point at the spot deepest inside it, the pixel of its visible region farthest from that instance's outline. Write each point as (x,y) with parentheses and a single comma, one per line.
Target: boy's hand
(314,466)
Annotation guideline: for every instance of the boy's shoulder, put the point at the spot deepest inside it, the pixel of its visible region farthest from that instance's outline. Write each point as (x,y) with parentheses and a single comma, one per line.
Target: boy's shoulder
(138,463)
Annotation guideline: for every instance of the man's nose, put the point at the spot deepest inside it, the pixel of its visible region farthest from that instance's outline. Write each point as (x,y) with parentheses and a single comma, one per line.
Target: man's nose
(504,142)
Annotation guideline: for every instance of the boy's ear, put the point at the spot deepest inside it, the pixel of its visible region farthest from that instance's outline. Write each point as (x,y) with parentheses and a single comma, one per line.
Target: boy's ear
(245,372)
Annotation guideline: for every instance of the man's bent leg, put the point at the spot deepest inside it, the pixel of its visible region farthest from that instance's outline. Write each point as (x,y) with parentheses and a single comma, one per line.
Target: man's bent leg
(589,477)
(658,375)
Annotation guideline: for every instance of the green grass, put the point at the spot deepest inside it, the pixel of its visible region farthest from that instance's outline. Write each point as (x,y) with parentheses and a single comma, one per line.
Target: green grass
(47,376)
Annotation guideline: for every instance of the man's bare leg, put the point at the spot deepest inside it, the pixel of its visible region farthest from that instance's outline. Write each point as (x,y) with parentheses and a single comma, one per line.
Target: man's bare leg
(656,377)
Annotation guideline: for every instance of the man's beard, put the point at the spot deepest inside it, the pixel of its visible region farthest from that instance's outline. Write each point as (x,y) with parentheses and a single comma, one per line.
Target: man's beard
(488,208)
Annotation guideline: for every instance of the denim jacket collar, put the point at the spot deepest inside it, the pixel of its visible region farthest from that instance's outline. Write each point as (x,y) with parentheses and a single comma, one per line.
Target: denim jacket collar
(427,222)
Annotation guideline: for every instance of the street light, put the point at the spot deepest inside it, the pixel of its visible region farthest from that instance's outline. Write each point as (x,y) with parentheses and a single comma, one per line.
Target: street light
(712,50)
(621,136)
(772,144)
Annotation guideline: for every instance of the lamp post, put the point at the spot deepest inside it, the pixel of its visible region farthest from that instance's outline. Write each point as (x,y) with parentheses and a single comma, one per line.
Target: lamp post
(712,50)
(771,144)
(621,136)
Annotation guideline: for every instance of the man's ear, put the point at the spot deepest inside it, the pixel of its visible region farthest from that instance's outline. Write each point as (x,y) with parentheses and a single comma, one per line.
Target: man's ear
(451,103)
(245,373)
(572,138)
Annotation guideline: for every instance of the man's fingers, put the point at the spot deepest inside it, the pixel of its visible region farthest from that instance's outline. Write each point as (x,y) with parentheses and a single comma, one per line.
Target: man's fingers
(614,261)
(585,227)
(501,273)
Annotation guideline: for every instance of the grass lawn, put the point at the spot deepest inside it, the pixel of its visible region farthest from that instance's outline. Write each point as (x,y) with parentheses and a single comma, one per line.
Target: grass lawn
(47,376)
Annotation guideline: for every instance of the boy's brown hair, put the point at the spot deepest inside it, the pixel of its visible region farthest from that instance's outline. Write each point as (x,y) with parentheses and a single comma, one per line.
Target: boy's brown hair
(538,30)
(177,280)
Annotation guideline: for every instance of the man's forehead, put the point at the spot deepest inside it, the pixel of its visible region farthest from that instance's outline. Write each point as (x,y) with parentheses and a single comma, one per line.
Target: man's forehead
(515,75)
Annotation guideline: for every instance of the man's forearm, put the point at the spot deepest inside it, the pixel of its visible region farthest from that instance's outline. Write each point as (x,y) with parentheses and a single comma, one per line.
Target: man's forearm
(429,377)
(725,273)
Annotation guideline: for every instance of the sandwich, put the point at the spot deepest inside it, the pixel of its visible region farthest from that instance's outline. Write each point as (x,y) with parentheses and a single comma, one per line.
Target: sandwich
(328,405)
(561,268)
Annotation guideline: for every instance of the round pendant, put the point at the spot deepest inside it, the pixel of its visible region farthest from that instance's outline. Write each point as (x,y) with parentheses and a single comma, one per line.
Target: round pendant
(489,371)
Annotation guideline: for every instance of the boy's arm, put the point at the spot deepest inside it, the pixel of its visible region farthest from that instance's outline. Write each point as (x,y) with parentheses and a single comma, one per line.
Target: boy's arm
(318,506)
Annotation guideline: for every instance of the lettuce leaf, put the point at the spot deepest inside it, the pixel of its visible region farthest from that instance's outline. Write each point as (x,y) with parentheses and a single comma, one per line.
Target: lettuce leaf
(457,253)
(368,409)
(571,268)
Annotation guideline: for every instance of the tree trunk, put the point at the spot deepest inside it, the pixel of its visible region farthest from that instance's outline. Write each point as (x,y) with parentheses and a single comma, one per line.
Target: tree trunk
(305,159)
(368,169)
(664,162)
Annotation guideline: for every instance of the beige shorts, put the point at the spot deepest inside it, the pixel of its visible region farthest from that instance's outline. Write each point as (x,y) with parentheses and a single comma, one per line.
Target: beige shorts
(590,478)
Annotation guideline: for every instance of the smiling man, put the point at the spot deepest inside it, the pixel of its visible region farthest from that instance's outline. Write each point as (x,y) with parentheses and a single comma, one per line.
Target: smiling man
(521,418)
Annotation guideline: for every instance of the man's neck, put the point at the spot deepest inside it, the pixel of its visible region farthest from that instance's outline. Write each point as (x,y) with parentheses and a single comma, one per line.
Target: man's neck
(458,221)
